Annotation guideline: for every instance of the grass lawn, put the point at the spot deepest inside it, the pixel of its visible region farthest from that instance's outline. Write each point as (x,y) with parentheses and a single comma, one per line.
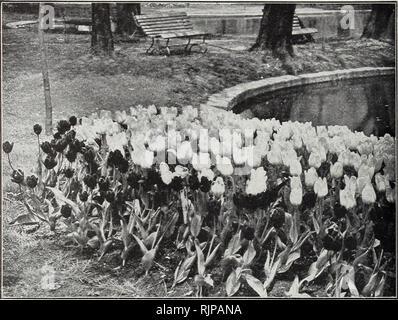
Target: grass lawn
(82,84)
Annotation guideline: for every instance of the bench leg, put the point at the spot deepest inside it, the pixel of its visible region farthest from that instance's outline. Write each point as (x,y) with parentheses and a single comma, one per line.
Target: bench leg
(149,49)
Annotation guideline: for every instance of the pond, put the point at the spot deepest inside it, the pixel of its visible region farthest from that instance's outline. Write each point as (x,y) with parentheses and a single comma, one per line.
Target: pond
(366,105)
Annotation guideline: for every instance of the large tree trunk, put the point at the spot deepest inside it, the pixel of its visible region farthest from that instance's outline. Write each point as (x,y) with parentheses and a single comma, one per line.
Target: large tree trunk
(378,23)
(101,34)
(276,29)
(125,22)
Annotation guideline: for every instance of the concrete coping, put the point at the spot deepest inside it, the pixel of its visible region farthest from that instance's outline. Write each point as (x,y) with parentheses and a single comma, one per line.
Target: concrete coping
(230,97)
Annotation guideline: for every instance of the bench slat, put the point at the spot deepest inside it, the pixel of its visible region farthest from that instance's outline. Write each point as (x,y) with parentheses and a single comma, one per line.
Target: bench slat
(155,26)
(181,34)
(168,28)
(161,15)
(304,31)
(168,22)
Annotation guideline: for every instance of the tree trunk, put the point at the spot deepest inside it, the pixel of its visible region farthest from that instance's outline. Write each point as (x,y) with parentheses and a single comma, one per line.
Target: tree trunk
(125,22)
(101,34)
(378,22)
(44,71)
(276,29)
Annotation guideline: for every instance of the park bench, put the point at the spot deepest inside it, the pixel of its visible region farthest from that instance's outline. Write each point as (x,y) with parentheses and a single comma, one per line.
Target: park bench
(300,32)
(170,26)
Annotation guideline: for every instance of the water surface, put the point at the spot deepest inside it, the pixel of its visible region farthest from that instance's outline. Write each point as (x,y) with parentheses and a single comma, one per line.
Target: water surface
(366,105)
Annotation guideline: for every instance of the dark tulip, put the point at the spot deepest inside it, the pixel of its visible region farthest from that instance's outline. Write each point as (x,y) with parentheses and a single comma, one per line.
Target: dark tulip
(193,182)
(57,136)
(103,184)
(205,184)
(50,162)
(332,243)
(110,196)
(176,184)
(75,145)
(237,200)
(309,200)
(66,211)
(70,136)
(60,145)
(324,169)
(72,120)
(17,176)
(71,155)
(7,147)
(89,155)
(248,232)
(63,126)
(350,242)
(46,147)
(90,181)
(37,128)
(154,178)
(83,196)
(99,198)
(278,218)
(69,172)
(123,166)
(31,181)
(339,211)
(132,180)
(114,158)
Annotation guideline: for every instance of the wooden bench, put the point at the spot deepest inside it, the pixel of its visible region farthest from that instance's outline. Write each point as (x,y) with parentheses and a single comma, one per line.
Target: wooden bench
(300,32)
(170,26)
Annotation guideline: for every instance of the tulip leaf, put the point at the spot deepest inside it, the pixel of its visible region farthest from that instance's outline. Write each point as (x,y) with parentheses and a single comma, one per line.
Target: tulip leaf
(256,285)
(201,259)
(212,255)
(144,249)
(59,196)
(232,284)
(249,254)
(24,219)
(182,270)
(233,245)
(196,224)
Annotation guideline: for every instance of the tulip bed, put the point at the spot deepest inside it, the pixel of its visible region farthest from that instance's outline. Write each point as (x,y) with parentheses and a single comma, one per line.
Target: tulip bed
(254,198)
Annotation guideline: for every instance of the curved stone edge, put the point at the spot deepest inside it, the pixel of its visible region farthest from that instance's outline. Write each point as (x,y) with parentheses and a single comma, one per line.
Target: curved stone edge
(228,98)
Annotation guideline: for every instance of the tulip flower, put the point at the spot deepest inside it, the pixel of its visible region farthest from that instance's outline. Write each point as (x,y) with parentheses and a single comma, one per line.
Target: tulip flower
(166,176)
(207,173)
(239,155)
(336,170)
(201,161)
(257,182)
(295,167)
(368,194)
(321,187)
(218,187)
(310,176)
(390,194)
(314,160)
(274,157)
(296,196)
(365,170)
(184,152)
(295,183)
(381,182)
(224,165)
(361,183)
(347,200)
